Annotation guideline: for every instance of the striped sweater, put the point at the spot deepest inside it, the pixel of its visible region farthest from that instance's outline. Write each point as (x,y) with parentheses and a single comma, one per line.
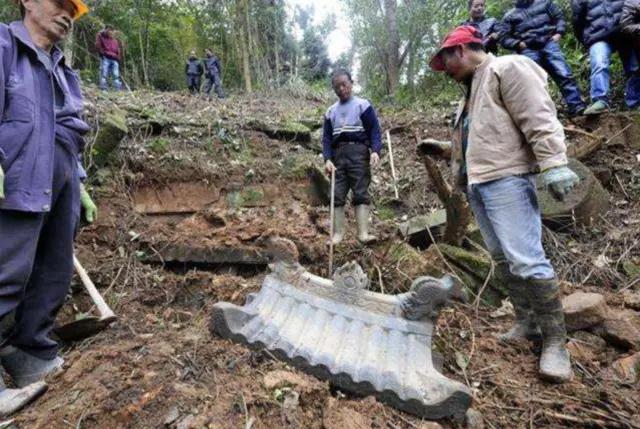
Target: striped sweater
(352,121)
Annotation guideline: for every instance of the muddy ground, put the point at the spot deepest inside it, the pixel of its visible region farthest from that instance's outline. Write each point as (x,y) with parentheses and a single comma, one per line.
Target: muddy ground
(193,176)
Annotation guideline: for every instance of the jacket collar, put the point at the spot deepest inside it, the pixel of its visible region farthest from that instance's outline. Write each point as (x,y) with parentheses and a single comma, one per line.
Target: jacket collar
(21,33)
(476,74)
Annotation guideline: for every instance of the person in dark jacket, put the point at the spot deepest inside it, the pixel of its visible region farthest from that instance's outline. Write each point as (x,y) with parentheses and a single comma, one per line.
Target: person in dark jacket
(108,48)
(193,69)
(630,22)
(534,28)
(351,145)
(41,195)
(489,27)
(212,72)
(597,27)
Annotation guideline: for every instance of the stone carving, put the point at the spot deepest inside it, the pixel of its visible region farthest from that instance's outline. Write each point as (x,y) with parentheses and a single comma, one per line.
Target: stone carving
(363,342)
(351,276)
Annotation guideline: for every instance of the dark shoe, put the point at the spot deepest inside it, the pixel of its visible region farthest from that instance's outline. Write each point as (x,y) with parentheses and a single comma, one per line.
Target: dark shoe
(597,108)
(13,400)
(555,362)
(26,369)
(574,113)
(525,327)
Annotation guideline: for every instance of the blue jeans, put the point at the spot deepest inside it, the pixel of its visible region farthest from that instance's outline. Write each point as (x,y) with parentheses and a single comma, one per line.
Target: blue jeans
(509,218)
(552,60)
(600,54)
(109,67)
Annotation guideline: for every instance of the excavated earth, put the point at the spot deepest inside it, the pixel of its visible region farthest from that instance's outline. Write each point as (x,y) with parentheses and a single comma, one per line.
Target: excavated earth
(187,204)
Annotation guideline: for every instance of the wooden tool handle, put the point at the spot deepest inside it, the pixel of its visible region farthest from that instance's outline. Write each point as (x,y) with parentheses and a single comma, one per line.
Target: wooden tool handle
(105,312)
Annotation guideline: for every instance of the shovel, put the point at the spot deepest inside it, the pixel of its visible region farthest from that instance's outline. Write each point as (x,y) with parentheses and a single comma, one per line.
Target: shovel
(88,326)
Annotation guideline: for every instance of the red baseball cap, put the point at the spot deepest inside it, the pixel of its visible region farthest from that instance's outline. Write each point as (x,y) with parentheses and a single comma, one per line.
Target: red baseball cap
(462,35)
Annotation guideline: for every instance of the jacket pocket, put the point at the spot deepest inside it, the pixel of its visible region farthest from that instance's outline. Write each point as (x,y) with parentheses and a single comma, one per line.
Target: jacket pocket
(16,128)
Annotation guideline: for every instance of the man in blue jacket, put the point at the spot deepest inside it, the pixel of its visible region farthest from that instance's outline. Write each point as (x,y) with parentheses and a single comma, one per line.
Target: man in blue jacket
(597,26)
(193,69)
(212,71)
(534,28)
(41,140)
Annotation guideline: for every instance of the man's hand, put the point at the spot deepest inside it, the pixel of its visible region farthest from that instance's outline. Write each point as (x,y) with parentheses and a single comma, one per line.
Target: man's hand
(556,37)
(522,46)
(1,184)
(90,209)
(329,167)
(375,159)
(560,181)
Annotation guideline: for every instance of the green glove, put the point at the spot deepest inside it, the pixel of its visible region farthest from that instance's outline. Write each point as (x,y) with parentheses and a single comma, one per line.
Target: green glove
(1,183)
(90,209)
(560,181)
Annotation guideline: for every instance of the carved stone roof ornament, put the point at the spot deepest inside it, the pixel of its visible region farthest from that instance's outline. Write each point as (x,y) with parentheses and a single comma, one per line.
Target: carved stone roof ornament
(364,342)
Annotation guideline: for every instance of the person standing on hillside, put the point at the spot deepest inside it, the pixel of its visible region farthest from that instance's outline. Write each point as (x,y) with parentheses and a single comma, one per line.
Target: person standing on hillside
(108,48)
(534,28)
(41,194)
(351,143)
(506,130)
(212,71)
(597,26)
(489,27)
(630,22)
(193,69)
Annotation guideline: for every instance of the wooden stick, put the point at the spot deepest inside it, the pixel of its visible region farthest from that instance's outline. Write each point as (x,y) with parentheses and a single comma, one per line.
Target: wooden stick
(332,216)
(105,312)
(393,167)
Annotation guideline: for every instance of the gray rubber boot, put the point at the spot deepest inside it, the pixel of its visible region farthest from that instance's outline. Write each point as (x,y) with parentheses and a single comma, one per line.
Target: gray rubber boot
(338,225)
(555,362)
(13,400)
(362,219)
(26,369)
(525,327)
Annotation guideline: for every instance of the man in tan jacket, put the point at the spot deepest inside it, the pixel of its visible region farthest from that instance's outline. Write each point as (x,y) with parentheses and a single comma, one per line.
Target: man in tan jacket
(505,132)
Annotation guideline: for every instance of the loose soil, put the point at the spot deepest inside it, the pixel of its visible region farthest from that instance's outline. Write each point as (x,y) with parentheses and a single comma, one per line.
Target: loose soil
(198,179)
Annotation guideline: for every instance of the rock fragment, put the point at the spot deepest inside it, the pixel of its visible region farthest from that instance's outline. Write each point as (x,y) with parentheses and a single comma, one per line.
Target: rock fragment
(628,369)
(584,310)
(621,329)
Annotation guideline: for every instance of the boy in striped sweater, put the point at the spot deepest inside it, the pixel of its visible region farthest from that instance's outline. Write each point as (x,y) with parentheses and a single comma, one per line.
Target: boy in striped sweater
(351,146)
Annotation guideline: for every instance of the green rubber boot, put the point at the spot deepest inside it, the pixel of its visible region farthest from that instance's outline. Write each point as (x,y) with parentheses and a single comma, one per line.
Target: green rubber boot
(525,328)
(555,362)
(362,219)
(597,108)
(338,225)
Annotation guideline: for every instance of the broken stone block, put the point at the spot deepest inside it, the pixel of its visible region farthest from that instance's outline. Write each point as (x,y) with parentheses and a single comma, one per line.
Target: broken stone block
(112,130)
(584,204)
(289,130)
(363,342)
(621,329)
(628,369)
(174,198)
(418,230)
(583,310)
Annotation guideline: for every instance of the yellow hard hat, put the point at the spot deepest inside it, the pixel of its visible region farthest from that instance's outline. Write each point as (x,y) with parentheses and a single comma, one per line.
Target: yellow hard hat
(81,8)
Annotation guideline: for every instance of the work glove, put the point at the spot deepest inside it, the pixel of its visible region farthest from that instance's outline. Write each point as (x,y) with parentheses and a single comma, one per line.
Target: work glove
(560,181)
(329,167)
(375,159)
(1,183)
(90,209)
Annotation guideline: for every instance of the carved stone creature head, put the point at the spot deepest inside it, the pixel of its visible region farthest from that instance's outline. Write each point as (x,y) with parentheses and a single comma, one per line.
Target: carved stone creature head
(351,276)
(427,297)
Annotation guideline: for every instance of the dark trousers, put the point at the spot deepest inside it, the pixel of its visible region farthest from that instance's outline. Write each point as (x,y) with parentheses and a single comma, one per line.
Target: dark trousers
(553,61)
(193,82)
(213,80)
(36,261)
(352,173)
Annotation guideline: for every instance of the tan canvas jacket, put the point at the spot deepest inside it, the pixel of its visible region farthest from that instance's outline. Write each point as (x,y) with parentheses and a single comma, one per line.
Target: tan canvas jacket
(513,125)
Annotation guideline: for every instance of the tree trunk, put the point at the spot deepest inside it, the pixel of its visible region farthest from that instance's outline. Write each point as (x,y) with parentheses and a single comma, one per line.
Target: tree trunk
(242,12)
(392,47)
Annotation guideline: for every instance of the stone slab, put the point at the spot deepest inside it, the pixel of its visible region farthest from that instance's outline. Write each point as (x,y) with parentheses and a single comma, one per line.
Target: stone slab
(584,310)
